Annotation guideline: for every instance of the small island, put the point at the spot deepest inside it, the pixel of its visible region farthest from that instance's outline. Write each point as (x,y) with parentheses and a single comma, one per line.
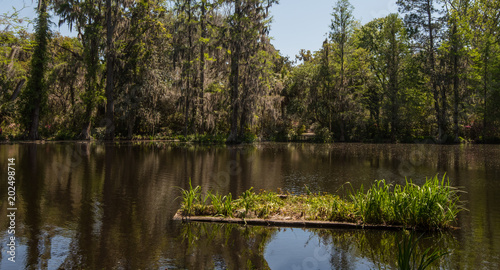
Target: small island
(432,206)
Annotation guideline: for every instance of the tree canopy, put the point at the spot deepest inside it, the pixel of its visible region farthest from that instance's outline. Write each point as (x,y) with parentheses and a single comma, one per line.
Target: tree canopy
(207,69)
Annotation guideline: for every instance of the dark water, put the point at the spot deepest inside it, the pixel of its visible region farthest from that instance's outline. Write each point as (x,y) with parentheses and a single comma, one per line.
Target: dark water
(109,206)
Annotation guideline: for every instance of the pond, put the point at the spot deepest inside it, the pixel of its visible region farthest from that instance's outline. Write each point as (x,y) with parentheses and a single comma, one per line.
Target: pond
(95,205)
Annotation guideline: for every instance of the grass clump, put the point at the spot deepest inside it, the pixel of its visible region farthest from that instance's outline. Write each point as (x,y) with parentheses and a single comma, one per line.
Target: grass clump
(190,197)
(433,205)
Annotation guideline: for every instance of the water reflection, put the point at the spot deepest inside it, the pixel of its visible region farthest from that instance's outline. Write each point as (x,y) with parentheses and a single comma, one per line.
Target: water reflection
(31,189)
(94,206)
(218,246)
(347,249)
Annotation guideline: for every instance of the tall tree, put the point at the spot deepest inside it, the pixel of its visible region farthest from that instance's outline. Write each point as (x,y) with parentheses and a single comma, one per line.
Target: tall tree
(458,19)
(234,78)
(34,98)
(386,39)
(110,109)
(341,30)
(186,34)
(249,28)
(87,18)
(488,43)
(423,19)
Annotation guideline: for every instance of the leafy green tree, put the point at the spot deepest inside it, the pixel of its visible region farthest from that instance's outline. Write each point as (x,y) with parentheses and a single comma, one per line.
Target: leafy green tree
(342,29)
(387,41)
(65,82)
(248,27)
(15,54)
(459,17)
(488,64)
(423,20)
(88,20)
(34,98)
(141,68)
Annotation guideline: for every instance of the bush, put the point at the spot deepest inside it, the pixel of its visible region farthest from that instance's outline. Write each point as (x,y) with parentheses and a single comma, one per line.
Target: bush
(323,135)
(249,137)
(64,135)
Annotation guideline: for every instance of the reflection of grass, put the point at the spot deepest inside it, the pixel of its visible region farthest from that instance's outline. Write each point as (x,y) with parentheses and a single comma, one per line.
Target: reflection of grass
(409,258)
(432,205)
(381,247)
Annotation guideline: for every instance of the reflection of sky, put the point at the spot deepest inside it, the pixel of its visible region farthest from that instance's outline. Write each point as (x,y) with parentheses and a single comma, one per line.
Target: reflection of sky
(20,251)
(293,249)
(58,250)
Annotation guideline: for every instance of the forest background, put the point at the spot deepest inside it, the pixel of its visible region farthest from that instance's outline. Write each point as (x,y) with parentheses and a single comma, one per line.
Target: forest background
(206,70)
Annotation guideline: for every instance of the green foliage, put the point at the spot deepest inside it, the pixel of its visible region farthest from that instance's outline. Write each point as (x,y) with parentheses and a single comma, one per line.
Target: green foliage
(434,205)
(34,97)
(190,198)
(247,200)
(194,69)
(65,135)
(323,135)
(249,137)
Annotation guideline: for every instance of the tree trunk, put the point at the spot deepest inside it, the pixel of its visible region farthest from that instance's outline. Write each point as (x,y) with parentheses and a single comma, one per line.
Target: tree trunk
(35,120)
(433,72)
(85,134)
(202,67)
(234,76)
(485,89)
(455,81)
(393,86)
(16,92)
(186,108)
(110,127)
(342,129)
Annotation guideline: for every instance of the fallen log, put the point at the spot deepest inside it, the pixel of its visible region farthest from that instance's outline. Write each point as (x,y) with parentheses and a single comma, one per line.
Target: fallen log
(317,224)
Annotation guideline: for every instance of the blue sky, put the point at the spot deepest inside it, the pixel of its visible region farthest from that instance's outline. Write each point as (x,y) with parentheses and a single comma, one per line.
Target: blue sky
(303,24)
(297,24)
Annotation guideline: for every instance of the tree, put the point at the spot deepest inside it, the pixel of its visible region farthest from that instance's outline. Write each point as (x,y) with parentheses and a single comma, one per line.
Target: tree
(423,20)
(15,54)
(342,28)
(65,83)
(34,98)
(248,26)
(487,63)
(110,109)
(88,20)
(386,39)
(459,19)
(142,67)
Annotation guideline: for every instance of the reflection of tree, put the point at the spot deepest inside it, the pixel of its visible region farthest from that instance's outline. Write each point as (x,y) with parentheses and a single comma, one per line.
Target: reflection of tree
(32,186)
(117,201)
(224,245)
(480,224)
(83,246)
